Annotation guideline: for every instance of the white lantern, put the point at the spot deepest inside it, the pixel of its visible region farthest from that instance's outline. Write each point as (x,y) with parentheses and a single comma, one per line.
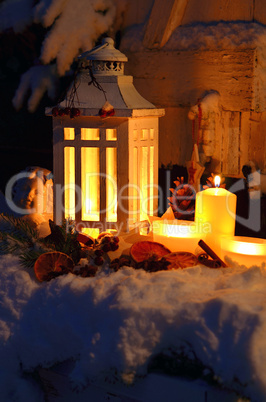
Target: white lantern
(105,158)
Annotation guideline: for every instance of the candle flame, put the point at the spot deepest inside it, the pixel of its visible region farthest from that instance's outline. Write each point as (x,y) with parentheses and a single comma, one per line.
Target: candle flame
(217,181)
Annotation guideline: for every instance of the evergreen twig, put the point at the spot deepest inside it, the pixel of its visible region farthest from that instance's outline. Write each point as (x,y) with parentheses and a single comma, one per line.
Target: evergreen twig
(20,238)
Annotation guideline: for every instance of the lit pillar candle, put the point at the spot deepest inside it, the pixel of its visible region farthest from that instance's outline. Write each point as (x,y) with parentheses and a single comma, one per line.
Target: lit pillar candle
(246,251)
(176,235)
(215,214)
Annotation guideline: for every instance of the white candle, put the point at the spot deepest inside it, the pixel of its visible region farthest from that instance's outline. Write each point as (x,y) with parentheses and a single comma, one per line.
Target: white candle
(177,235)
(246,251)
(215,211)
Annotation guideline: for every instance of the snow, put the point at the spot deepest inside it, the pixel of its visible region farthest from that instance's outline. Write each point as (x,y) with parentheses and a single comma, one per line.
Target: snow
(71,30)
(117,322)
(16,14)
(37,80)
(203,36)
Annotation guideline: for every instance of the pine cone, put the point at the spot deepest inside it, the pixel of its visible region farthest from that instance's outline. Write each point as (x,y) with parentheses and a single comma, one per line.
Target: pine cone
(210,182)
(182,200)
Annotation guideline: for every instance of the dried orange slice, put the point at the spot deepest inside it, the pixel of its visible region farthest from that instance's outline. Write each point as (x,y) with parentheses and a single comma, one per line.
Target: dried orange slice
(181,259)
(48,265)
(143,250)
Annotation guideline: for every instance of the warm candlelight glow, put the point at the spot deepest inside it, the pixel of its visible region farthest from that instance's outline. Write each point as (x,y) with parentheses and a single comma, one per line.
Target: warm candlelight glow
(93,232)
(69,181)
(216,206)
(178,235)
(244,250)
(90,183)
(217,181)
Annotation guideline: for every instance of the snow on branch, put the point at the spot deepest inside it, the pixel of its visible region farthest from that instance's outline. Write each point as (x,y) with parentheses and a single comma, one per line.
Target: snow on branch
(73,28)
(16,14)
(47,11)
(77,28)
(38,80)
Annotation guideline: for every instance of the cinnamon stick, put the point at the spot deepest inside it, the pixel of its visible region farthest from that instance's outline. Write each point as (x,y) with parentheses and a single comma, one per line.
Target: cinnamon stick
(205,259)
(211,253)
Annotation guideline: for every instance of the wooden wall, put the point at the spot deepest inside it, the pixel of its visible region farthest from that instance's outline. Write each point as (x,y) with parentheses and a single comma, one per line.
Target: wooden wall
(190,11)
(240,137)
(175,80)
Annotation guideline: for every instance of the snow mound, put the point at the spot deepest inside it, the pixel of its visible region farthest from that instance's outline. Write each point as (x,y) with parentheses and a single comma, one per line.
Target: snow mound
(121,321)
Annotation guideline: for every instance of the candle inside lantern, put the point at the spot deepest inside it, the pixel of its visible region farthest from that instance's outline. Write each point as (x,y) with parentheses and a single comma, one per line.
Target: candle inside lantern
(216,207)
(177,235)
(246,251)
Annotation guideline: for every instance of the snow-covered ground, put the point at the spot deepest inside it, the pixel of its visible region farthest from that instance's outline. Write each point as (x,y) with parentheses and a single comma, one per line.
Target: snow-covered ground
(114,326)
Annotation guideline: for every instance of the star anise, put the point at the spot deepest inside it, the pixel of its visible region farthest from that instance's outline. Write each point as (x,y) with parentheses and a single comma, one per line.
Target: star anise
(86,271)
(153,264)
(122,261)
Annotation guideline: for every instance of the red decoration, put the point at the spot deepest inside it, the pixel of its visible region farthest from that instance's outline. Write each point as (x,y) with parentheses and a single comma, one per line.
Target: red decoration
(74,112)
(107,110)
(61,112)
(55,111)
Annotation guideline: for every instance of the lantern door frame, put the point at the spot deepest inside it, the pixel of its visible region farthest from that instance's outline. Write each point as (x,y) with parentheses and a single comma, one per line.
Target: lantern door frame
(129,140)
(59,126)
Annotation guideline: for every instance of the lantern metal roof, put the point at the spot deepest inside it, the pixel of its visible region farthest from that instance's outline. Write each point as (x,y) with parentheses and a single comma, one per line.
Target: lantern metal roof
(104,59)
(101,79)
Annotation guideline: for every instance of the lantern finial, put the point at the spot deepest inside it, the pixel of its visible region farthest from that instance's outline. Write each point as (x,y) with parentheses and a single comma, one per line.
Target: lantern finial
(104,59)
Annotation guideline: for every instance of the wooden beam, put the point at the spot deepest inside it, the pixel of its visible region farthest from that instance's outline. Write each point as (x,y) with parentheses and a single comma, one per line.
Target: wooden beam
(165,17)
(175,78)
(230,144)
(220,10)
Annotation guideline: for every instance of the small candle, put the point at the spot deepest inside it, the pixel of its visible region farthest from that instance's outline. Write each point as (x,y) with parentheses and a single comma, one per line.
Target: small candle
(216,207)
(177,235)
(246,251)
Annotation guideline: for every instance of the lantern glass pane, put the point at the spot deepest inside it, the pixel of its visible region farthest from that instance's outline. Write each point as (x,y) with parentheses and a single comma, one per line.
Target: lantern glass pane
(111,134)
(90,184)
(144,134)
(69,133)
(135,191)
(91,134)
(143,182)
(111,184)
(93,232)
(151,186)
(152,134)
(135,135)
(69,178)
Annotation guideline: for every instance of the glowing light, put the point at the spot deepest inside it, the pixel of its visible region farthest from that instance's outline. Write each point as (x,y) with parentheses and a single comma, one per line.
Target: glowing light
(144,182)
(217,207)
(69,179)
(217,181)
(244,250)
(177,235)
(88,206)
(90,183)
(111,184)
(93,232)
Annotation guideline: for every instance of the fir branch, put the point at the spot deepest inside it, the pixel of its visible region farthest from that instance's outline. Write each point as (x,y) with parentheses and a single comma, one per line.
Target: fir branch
(27,258)
(19,230)
(20,238)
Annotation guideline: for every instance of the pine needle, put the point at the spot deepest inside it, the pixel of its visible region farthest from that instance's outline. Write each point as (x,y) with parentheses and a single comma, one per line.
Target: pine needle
(20,238)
